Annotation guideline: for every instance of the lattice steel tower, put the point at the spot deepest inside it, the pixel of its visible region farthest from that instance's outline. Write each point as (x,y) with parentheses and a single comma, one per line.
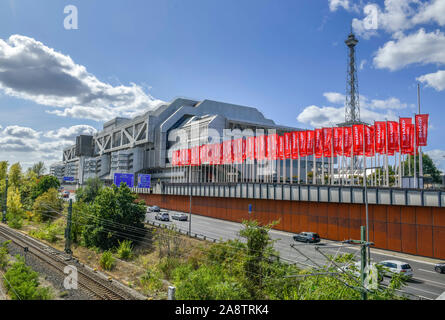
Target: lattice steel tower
(352,106)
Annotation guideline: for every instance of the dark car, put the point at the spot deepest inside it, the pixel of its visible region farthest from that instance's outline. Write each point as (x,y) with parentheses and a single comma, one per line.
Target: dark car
(153,209)
(440,267)
(66,194)
(180,216)
(308,237)
(163,216)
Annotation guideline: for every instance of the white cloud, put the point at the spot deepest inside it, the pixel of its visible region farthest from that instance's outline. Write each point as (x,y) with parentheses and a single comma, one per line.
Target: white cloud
(362,64)
(420,47)
(71,132)
(30,70)
(431,11)
(334,97)
(335,4)
(30,146)
(435,80)
(331,116)
(20,132)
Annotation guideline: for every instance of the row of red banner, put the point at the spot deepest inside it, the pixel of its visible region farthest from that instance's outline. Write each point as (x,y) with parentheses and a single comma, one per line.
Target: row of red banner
(384,137)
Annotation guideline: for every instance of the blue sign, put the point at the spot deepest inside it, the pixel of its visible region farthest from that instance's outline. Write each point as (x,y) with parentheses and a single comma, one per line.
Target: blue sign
(68,178)
(250,208)
(128,178)
(144,180)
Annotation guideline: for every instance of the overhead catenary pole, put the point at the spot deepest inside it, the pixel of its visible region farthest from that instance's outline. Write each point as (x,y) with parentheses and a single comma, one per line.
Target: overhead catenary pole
(420,148)
(68,228)
(5,201)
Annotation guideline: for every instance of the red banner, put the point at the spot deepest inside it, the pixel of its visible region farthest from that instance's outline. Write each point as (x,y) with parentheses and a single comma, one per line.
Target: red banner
(421,129)
(318,143)
(238,152)
(280,147)
(295,137)
(216,153)
(357,133)
(393,137)
(195,156)
(327,142)
(272,144)
(261,144)
(175,158)
(227,152)
(250,148)
(369,141)
(302,143)
(338,141)
(347,141)
(409,131)
(287,145)
(310,142)
(380,137)
(404,124)
(185,157)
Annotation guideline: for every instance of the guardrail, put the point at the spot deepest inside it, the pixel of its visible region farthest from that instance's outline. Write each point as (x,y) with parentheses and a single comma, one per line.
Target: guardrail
(303,192)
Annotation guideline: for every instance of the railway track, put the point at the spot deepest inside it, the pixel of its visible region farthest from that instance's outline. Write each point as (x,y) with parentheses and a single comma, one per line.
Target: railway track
(91,283)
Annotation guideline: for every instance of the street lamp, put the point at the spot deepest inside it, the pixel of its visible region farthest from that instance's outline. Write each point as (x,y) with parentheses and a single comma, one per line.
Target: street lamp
(366,205)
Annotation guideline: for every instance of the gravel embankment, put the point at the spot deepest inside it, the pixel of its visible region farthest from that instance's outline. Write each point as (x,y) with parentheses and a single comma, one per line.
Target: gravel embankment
(52,276)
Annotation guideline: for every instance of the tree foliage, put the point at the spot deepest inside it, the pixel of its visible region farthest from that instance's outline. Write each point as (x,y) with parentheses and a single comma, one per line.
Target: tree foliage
(15,175)
(113,216)
(44,184)
(22,283)
(48,205)
(38,168)
(429,168)
(90,191)
(15,211)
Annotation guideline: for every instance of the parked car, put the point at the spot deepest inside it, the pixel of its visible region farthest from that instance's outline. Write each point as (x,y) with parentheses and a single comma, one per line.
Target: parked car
(440,267)
(153,209)
(391,267)
(66,194)
(180,216)
(354,268)
(307,237)
(163,216)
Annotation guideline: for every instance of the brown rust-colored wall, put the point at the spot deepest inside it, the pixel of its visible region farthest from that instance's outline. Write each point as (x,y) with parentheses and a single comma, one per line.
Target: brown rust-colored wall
(414,230)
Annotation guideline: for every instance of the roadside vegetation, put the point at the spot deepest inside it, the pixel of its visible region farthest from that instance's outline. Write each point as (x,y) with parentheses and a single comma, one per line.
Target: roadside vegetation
(108,233)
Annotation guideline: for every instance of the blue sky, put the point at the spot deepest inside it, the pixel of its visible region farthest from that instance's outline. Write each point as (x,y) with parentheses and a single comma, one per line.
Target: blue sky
(287,58)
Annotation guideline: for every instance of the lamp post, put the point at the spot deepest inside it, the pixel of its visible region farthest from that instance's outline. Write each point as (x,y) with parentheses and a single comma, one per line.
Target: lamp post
(5,201)
(366,206)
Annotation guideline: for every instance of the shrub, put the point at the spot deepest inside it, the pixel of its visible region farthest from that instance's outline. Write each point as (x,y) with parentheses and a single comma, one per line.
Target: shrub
(125,249)
(50,232)
(48,205)
(15,212)
(44,185)
(22,283)
(151,281)
(4,254)
(107,260)
(167,265)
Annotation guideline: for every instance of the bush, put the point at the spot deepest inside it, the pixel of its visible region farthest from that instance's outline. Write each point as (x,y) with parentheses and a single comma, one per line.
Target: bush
(4,254)
(48,205)
(15,211)
(44,185)
(151,281)
(167,265)
(107,260)
(125,249)
(50,232)
(22,283)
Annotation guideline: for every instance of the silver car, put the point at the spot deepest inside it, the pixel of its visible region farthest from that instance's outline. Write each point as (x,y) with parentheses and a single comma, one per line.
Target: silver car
(391,267)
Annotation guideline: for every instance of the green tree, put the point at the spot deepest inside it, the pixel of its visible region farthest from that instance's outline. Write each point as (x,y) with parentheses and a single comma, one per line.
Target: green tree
(29,183)
(114,216)
(429,168)
(48,205)
(15,208)
(90,191)
(22,283)
(15,175)
(44,184)
(79,218)
(39,168)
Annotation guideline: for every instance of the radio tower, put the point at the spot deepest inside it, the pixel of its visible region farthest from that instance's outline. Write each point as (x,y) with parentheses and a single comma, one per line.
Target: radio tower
(352,107)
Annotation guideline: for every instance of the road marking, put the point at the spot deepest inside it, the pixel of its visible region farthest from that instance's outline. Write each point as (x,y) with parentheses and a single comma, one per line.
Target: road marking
(414,288)
(441,284)
(427,271)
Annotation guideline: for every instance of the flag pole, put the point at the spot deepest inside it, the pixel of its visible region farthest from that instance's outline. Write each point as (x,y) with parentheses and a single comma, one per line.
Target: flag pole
(415,151)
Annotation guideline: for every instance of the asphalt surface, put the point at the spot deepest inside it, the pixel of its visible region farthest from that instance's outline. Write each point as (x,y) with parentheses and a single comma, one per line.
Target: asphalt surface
(425,284)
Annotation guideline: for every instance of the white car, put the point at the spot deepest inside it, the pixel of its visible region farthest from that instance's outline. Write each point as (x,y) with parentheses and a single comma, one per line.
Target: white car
(354,268)
(391,267)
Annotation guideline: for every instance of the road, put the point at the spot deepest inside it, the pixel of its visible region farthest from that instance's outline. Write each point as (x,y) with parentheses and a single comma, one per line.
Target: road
(426,283)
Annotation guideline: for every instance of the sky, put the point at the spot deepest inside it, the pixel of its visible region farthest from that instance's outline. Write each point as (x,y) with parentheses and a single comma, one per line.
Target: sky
(61,76)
